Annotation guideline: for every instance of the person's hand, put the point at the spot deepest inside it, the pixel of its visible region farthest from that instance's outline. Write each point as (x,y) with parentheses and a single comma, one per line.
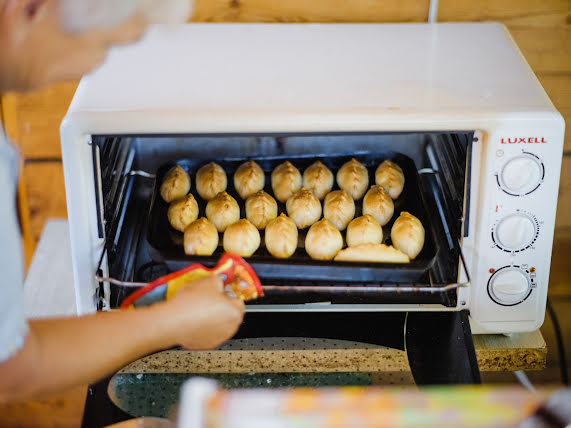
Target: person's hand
(201,316)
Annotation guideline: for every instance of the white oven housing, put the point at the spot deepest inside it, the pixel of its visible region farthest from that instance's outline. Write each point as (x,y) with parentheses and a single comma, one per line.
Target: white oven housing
(266,78)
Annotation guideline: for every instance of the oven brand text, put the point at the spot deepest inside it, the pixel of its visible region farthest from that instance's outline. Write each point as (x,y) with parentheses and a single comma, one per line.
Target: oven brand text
(524,140)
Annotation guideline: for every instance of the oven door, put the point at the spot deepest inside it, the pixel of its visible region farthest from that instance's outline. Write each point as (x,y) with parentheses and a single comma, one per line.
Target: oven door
(140,246)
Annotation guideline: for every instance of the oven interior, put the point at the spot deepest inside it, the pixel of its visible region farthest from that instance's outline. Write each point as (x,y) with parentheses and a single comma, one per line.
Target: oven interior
(127,169)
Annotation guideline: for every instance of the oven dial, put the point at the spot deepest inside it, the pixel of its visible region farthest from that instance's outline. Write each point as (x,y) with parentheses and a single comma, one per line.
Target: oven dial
(509,286)
(521,175)
(515,232)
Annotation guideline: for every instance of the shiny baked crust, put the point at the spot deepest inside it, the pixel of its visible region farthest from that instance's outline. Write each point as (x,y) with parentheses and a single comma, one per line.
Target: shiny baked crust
(372,253)
(378,203)
(182,212)
(210,180)
(339,208)
(408,234)
(303,208)
(390,176)
(364,230)
(354,178)
(260,209)
(286,180)
(248,179)
(323,240)
(319,179)
(222,211)
(200,238)
(175,185)
(241,238)
(281,237)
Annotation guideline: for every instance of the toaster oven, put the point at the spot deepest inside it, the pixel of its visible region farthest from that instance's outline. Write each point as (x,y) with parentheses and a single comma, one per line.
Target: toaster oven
(456,105)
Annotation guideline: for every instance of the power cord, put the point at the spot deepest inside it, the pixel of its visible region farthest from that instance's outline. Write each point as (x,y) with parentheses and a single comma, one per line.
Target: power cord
(560,347)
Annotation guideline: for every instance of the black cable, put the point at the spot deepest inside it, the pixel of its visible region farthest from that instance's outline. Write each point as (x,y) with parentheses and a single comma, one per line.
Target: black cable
(560,347)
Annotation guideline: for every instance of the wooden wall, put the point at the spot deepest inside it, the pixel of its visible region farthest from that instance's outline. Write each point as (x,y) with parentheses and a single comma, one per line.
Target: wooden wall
(541,29)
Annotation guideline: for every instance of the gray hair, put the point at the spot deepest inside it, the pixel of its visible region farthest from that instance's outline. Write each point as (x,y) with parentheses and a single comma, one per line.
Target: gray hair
(82,15)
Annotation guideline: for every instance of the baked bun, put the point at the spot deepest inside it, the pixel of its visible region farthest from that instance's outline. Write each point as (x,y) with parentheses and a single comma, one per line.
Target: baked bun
(372,253)
(222,211)
(241,238)
(323,240)
(354,178)
(378,203)
(339,208)
(303,208)
(319,179)
(286,180)
(407,234)
(175,185)
(200,238)
(260,209)
(248,179)
(210,180)
(364,230)
(390,176)
(281,237)
(182,212)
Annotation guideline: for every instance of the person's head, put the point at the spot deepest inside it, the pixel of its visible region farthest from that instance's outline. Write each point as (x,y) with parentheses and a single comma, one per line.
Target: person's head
(44,41)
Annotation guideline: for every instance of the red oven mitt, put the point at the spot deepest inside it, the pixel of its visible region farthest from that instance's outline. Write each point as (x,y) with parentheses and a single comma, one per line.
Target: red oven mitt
(240,281)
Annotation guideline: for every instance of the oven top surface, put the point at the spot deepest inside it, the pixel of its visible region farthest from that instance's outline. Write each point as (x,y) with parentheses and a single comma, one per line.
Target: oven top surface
(307,69)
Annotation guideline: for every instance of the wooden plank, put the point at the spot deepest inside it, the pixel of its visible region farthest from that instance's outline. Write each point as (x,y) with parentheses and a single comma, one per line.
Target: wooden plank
(563,219)
(63,410)
(540,28)
(33,119)
(547,50)
(558,87)
(560,275)
(533,13)
(46,193)
(310,11)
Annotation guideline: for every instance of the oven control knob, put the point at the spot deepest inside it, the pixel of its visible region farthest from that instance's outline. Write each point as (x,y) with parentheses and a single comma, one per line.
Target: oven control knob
(508,286)
(515,232)
(521,174)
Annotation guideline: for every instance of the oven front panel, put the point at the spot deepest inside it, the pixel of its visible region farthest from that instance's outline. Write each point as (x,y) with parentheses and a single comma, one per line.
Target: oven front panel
(480,224)
(517,206)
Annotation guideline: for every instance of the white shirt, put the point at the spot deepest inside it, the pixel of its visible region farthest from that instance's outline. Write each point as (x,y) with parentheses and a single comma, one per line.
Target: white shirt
(13,326)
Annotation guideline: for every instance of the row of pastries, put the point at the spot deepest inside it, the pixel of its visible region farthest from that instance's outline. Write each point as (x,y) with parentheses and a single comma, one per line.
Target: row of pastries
(302,196)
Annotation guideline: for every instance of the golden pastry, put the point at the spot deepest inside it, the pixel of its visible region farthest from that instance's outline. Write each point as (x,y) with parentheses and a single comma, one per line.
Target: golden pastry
(323,240)
(248,179)
(364,230)
(303,208)
(372,253)
(286,180)
(281,237)
(222,211)
(176,184)
(182,212)
(339,208)
(210,180)
(407,234)
(390,176)
(319,179)
(200,238)
(260,209)
(354,178)
(378,203)
(241,238)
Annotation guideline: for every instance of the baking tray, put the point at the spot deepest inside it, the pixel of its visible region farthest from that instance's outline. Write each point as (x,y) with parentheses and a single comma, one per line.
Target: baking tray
(165,243)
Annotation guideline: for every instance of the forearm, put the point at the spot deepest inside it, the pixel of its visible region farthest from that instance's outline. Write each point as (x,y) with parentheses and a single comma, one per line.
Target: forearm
(65,352)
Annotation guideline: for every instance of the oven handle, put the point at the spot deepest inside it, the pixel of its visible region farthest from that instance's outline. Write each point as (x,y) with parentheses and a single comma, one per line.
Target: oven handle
(336,289)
